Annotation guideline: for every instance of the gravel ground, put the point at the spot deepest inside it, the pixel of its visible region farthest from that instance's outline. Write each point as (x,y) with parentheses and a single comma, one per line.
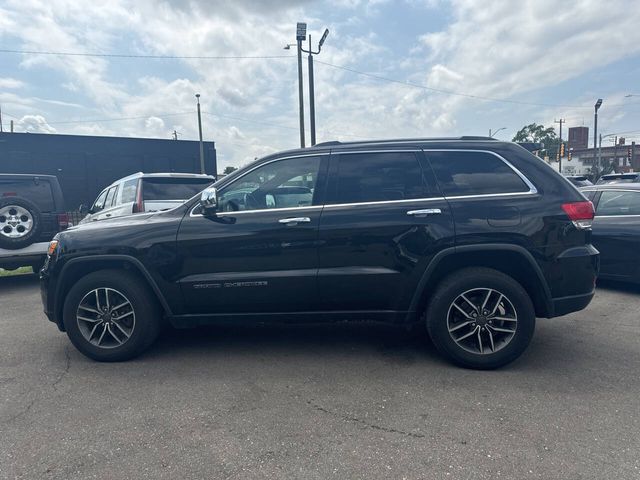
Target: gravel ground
(356,401)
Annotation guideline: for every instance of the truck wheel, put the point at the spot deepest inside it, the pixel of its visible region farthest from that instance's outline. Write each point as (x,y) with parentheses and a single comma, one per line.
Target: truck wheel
(20,222)
(480,318)
(111,316)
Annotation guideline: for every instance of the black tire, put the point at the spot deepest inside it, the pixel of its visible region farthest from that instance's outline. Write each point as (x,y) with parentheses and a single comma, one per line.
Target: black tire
(147,315)
(472,280)
(30,234)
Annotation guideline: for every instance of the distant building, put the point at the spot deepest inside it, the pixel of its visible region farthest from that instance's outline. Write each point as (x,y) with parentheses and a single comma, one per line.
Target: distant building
(85,165)
(625,158)
(578,137)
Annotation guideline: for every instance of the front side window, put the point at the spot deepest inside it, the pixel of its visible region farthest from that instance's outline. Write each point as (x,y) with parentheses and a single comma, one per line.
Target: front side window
(99,203)
(111,193)
(378,177)
(616,202)
(289,183)
(474,173)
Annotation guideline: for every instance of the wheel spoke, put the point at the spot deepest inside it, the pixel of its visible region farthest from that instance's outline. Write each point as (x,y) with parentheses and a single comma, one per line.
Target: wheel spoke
(493,347)
(114,336)
(97,300)
(500,329)
(467,335)
(92,320)
(461,310)
(122,330)
(458,327)
(504,319)
(484,304)
(480,341)
(93,330)
(106,296)
(104,330)
(89,309)
(469,302)
(124,315)
(117,307)
(495,309)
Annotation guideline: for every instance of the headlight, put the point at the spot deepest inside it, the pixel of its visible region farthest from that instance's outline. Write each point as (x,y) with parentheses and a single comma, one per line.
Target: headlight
(53,246)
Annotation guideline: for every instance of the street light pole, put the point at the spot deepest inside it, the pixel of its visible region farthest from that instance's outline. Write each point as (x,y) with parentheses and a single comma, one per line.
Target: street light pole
(491,135)
(200,132)
(595,122)
(301,33)
(312,97)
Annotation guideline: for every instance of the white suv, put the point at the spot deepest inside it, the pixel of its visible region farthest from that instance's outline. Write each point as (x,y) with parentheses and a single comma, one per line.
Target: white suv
(145,192)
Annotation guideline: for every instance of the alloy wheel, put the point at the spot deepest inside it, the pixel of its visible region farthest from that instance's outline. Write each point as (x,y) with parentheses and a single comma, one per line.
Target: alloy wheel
(482,321)
(106,318)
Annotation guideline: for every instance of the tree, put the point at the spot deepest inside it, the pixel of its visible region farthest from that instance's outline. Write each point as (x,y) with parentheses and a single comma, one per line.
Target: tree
(229,169)
(539,134)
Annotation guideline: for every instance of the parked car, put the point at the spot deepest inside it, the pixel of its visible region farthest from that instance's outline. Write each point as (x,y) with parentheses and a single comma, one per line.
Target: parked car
(579,180)
(616,229)
(619,178)
(145,192)
(31,213)
(472,237)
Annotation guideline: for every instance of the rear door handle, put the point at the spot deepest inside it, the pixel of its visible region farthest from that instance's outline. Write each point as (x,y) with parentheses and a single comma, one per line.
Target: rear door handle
(426,211)
(294,220)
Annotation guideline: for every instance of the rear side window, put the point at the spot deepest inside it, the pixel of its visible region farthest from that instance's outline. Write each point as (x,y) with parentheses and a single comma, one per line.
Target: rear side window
(375,177)
(38,192)
(590,194)
(474,173)
(129,189)
(173,188)
(616,202)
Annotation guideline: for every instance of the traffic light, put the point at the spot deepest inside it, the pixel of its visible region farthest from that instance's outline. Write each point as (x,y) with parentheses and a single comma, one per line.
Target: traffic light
(569,156)
(629,155)
(562,150)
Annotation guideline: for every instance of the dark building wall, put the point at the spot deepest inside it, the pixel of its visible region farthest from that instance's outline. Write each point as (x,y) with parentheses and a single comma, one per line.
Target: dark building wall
(85,165)
(579,137)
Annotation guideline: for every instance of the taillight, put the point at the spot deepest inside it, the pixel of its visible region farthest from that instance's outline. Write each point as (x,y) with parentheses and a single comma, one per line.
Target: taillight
(63,221)
(138,207)
(580,213)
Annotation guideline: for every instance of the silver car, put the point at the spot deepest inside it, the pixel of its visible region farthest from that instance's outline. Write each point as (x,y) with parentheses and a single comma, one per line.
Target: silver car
(145,192)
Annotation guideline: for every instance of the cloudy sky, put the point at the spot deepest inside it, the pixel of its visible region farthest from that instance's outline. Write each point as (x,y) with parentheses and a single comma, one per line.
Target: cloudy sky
(401,68)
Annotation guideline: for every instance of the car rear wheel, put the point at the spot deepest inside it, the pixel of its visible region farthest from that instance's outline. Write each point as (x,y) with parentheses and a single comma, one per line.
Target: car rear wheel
(111,315)
(20,222)
(480,318)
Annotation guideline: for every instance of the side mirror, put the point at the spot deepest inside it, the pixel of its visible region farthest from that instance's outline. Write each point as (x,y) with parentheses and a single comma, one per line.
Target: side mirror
(83,209)
(209,200)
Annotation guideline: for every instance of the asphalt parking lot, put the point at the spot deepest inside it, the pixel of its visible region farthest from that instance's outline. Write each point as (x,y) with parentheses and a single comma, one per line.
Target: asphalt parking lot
(320,402)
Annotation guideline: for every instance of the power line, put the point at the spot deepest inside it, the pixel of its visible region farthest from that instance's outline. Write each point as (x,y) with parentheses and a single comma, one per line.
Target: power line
(460,94)
(156,57)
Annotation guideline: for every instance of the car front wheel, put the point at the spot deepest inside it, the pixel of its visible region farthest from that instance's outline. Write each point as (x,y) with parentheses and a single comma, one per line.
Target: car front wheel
(111,315)
(480,318)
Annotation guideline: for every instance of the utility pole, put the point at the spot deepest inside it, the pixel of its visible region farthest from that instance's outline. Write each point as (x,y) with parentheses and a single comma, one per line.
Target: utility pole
(301,33)
(595,123)
(200,132)
(0,119)
(312,97)
(11,126)
(561,121)
(175,135)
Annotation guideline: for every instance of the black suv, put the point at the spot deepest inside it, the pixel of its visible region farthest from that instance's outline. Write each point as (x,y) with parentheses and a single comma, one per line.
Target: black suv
(469,236)
(31,213)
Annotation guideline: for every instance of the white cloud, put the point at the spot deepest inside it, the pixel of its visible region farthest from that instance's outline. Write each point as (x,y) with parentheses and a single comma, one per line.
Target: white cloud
(34,124)
(10,83)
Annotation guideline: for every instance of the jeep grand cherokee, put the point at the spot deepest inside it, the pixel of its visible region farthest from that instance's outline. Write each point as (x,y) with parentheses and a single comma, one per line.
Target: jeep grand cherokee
(471,237)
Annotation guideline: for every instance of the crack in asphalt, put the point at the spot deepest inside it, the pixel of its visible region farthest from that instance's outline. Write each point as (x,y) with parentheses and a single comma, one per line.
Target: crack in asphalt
(65,371)
(54,385)
(353,419)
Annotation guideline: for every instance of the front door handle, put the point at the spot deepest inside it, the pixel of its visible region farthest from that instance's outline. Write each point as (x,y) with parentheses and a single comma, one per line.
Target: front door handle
(294,220)
(426,211)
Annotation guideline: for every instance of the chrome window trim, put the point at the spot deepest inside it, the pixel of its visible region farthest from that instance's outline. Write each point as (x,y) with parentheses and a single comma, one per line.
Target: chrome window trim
(532,189)
(527,182)
(615,216)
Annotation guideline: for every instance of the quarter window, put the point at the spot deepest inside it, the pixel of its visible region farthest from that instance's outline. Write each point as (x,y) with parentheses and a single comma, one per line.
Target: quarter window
(110,196)
(286,183)
(616,202)
(376,177)
(99,203)
(129,190)
(474,173)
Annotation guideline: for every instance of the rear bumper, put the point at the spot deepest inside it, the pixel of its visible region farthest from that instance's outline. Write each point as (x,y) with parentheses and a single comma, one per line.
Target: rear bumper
(23,257)
(572,303)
